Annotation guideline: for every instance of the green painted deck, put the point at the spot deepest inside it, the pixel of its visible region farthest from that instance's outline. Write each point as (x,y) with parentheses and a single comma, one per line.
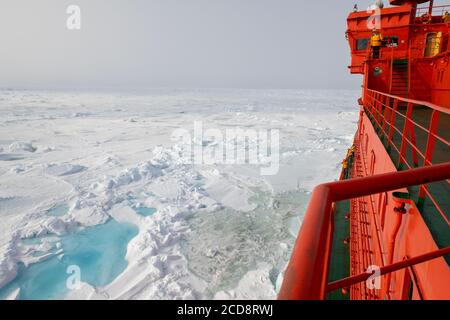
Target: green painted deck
(340,258)
(439,190)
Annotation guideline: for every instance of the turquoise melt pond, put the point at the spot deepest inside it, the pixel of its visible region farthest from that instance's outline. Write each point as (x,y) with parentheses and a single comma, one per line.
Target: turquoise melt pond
(143,211)
(98,251)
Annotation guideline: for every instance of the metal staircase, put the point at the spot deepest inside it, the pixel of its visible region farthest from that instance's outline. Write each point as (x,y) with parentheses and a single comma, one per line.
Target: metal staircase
(400,78)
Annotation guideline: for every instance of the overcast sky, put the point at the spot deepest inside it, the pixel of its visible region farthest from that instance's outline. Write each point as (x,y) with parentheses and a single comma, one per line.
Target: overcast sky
(176,43)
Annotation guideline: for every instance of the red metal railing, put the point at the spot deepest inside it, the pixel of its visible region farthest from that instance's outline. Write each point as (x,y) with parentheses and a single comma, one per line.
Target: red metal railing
(384,112)
(432,11)
(306,276)
(347,282)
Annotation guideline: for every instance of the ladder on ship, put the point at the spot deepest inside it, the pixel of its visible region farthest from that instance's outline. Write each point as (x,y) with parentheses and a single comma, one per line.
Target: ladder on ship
(400,78)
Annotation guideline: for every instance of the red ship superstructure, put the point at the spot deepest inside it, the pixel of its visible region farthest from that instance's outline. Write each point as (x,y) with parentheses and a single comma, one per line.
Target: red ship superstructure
(383,230)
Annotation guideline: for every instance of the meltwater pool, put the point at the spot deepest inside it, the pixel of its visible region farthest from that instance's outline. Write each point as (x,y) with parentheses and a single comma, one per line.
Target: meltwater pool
(98,251)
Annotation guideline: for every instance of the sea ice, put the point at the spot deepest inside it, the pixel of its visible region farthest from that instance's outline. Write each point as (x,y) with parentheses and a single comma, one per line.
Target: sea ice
(218,230)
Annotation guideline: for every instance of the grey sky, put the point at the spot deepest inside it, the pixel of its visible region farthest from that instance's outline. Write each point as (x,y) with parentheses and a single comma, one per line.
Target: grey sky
(176,43)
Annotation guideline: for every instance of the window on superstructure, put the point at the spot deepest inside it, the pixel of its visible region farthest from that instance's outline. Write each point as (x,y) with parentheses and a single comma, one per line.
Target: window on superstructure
(362,44)
(433,44)
(392,42)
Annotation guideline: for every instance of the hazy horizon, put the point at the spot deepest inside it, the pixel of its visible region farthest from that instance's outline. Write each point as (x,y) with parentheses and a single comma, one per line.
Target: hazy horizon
(141,44)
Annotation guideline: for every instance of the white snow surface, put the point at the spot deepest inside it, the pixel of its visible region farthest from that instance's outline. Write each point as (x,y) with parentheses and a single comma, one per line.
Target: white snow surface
(220,231)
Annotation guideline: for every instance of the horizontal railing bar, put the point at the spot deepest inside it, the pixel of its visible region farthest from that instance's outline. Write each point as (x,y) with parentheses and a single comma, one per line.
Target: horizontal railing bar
(408,141)
(418,102)
(393,144)
(347,282)
(360,187)
(306,276)
(412,121)
(428,162)
(434,7)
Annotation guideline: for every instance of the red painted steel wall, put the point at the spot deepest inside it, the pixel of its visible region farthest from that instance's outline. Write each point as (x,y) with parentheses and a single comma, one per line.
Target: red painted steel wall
(429,77)
(414,237)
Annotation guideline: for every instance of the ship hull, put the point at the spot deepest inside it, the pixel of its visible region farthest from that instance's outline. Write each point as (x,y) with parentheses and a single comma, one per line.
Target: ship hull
(379,235)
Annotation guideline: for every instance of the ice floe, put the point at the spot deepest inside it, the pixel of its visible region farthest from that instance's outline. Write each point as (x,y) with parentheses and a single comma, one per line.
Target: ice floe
(216,231)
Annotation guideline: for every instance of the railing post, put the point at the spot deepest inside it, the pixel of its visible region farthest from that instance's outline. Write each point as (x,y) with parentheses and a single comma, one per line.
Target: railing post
(307,273)
(393,117)
(372,105)
(385,115)
(307,279)
(375,107)
(379,109)
(430,9)
(432,130)
(406,125)
(434,121)
(413,142)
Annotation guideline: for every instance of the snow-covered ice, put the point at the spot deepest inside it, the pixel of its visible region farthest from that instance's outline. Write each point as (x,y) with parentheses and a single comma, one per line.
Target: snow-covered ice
(213,231)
